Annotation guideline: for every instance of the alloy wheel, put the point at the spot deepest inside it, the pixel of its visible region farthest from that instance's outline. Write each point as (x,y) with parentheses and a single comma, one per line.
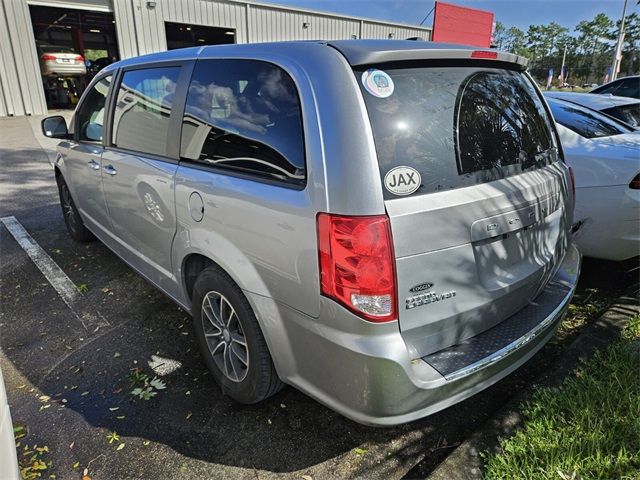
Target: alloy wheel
(225,337)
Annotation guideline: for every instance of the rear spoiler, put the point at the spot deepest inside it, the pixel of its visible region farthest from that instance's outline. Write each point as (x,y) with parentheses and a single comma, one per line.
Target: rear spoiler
(362,54)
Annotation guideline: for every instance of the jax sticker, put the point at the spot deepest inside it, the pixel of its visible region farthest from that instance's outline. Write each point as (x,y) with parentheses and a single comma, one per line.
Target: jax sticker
(402,180)
(377,83)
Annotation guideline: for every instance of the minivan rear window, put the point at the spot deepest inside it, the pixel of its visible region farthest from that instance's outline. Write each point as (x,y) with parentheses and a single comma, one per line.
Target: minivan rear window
(457,126)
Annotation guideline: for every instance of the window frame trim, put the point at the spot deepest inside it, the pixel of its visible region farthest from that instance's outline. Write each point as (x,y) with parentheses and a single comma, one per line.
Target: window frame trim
(188,162)
(172,146)
(107,104)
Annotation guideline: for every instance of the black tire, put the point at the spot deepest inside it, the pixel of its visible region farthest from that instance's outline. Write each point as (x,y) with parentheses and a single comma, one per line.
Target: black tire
(75,226)
(257,380)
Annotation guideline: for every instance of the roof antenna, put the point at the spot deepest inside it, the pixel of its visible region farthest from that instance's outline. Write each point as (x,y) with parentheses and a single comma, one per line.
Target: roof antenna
(427,15)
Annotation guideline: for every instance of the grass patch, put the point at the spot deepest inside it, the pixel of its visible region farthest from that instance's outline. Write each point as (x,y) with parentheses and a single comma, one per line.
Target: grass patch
(583,308)
(589,428)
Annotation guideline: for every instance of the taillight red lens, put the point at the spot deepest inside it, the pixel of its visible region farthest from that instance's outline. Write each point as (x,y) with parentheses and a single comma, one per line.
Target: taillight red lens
(46,57)
(484,54)
(79,58)
(573,186)
(635,183)
(357,264)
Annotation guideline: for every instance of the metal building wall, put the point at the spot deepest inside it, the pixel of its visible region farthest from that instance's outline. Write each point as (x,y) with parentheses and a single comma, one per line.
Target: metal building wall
(21,91)
(140,29)
(268,24)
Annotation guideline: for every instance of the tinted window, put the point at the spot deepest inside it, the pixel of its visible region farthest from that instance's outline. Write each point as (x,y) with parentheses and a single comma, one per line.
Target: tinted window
(629,88)
(607,88)
(90,116)
(627,113)
(143,108)
(584,122)
(459,126)
(244,115)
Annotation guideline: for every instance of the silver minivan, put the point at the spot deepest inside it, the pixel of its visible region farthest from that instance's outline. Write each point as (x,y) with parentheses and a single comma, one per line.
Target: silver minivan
(384,225)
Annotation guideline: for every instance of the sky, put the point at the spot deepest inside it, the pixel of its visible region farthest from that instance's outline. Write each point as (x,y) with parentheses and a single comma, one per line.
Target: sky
(518,13)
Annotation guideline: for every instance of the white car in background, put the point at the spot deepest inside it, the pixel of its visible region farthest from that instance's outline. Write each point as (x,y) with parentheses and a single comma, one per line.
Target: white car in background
(605,157)
(623,108)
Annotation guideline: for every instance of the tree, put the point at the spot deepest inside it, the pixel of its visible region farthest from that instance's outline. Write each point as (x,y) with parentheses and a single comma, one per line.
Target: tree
(631,46)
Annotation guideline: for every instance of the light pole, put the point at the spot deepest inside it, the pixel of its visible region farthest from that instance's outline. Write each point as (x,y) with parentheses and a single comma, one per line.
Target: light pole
(618,50)
(564,56)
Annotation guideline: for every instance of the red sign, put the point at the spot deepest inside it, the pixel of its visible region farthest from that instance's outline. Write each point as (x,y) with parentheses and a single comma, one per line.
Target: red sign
(462,25)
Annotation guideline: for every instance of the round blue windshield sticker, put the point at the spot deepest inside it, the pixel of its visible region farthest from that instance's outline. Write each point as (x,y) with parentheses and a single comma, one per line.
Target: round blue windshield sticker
(377,83)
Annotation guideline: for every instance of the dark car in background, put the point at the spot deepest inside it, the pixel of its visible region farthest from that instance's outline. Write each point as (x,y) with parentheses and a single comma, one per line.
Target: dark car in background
(622,87)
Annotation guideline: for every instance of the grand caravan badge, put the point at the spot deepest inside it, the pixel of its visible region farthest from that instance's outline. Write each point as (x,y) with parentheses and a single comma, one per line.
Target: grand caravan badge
(402,180)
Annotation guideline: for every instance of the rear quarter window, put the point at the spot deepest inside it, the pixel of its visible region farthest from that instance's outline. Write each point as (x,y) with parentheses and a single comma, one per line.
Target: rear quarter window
(244,117)
(459,126)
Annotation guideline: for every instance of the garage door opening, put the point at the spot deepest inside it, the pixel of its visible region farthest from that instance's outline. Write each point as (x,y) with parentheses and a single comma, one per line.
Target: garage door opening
(182,35)
(72,45)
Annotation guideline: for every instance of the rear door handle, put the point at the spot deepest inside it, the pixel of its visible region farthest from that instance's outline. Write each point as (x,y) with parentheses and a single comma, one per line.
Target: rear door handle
(93,165)
(109,170)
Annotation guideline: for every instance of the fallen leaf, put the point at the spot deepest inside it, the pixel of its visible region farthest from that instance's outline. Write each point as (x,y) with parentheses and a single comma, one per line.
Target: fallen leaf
(120,417)
(307,477)
(146,442)
(75,465)
(189,415)
(121,446)
(116,355)
(72,444)
(113,437)
(84,393)
(21,386)
(113,409)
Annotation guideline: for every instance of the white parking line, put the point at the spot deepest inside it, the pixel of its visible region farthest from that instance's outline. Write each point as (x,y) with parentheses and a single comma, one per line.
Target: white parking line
(52,272)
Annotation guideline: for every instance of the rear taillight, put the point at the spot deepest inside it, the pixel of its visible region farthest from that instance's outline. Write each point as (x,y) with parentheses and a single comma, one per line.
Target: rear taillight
(79,58)
(357,264)
(635,183)
(48,57)
(573,186)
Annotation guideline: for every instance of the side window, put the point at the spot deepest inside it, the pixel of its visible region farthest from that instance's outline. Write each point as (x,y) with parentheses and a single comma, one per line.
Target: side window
(629,88)
(610,88)
(90,116)
(244,115)
(143,108)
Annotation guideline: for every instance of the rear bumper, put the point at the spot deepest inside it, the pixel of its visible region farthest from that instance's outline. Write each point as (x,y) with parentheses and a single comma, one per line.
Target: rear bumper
(366,373)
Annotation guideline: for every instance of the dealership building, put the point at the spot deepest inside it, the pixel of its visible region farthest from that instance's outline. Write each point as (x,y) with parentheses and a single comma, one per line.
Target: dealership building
(108,30)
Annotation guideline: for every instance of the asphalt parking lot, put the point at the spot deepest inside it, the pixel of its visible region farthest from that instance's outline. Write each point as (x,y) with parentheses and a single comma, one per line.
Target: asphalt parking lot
(69,368)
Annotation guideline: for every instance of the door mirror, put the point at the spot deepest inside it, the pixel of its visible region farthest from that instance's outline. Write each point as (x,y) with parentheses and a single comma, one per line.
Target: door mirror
(55,127)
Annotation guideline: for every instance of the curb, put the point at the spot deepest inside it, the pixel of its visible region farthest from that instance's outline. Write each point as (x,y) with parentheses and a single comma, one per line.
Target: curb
(465,463)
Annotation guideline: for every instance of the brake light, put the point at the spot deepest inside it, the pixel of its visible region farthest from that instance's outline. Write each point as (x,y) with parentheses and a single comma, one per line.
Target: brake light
(79,58)
(357,264)
(484,54)
(635,183)
(47,57)
(573,186)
